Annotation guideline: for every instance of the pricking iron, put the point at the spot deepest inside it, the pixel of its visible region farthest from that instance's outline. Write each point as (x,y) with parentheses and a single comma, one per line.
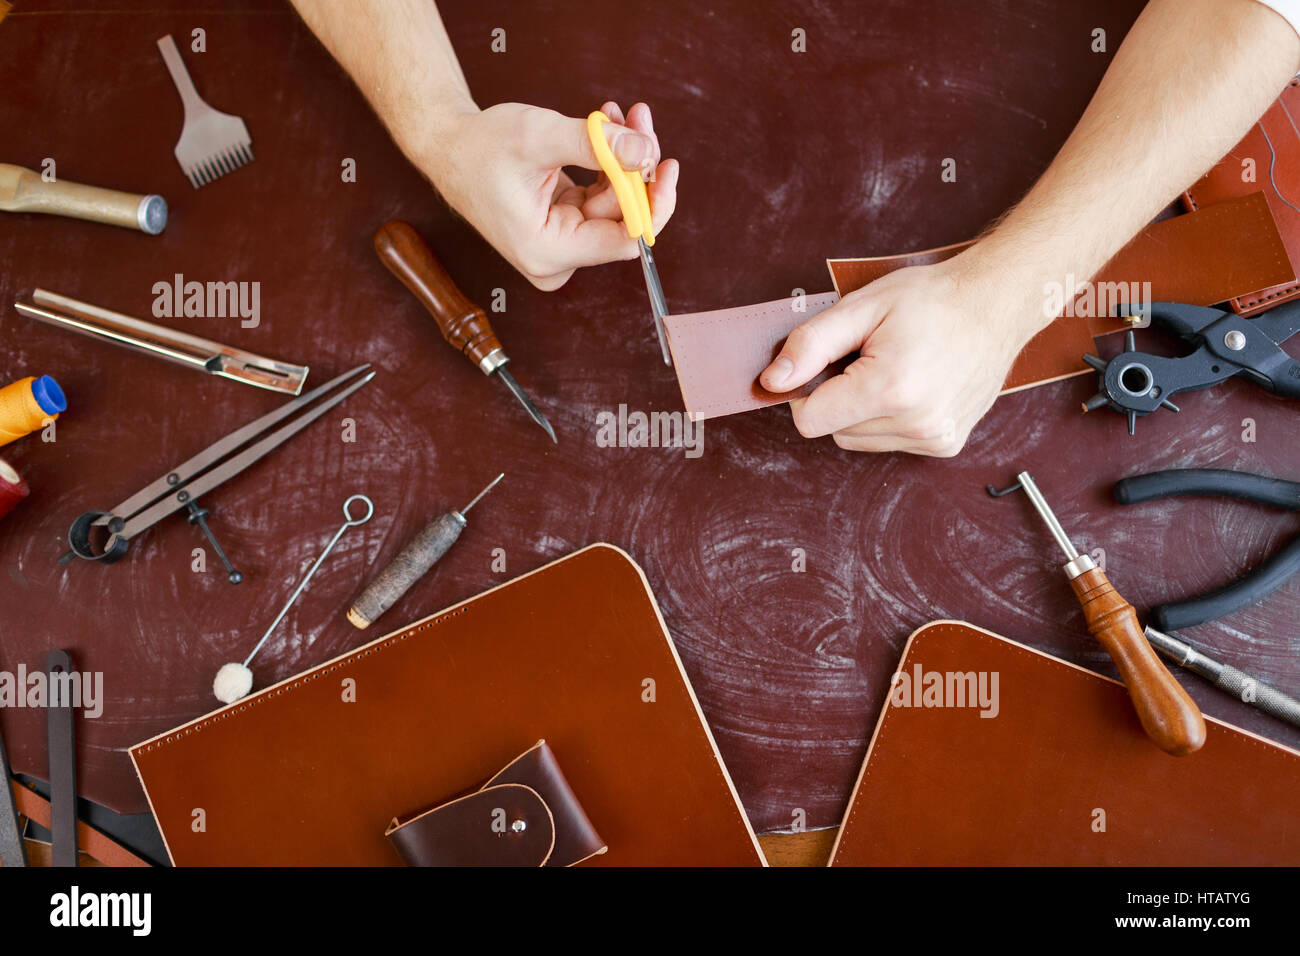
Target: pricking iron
(180,348)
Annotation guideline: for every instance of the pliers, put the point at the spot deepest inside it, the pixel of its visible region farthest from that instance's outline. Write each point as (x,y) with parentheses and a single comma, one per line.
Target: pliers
(1137,383)
(1255,586)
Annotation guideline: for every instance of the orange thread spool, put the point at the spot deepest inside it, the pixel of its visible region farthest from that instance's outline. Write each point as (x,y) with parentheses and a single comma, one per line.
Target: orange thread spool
(27,405)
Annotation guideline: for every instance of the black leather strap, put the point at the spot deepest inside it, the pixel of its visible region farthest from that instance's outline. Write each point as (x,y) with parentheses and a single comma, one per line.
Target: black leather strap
(63,761)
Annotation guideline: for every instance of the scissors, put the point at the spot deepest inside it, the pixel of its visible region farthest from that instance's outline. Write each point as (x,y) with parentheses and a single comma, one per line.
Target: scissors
(629,188)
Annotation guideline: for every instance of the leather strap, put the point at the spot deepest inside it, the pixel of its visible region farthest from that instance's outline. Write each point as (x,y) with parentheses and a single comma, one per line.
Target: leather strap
(1203,257)
(63,761)
(95,843)
(1200,258)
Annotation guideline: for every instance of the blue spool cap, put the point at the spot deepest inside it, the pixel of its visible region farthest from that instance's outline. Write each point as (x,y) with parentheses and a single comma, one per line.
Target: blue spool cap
(49,396)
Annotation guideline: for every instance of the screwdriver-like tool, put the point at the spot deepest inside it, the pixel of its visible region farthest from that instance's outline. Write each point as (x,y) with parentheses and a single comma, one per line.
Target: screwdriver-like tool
(462,323)
(422,553)
(1168,714)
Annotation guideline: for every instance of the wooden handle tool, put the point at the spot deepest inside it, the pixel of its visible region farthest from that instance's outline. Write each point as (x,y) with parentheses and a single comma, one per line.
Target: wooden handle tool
(412,563)
(22,190)
(463,324)
(1168,714)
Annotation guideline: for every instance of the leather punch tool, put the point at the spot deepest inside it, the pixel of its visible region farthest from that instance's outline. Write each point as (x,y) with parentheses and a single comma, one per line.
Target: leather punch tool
(1274,572)
(1136,383)
(629,189)
(182,485)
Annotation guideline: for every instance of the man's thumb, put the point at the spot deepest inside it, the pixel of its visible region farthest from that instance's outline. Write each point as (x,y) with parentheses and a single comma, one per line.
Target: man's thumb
(823,339)
(563,141)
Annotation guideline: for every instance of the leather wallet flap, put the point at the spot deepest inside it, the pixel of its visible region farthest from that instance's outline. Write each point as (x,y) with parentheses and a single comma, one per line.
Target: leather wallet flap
(526,815)
(503,825)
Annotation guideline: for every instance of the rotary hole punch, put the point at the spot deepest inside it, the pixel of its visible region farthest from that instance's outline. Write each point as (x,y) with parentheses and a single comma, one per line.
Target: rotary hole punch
(1136,383)
(181,486)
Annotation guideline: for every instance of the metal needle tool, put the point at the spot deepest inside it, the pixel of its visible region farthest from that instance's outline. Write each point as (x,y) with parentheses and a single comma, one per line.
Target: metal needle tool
(1227,678)
(233,681)
(413,562)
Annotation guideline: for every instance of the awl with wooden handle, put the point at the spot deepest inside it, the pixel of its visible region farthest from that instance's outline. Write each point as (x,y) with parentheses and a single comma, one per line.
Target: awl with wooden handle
(22,190)
(463,324)
(412,563)
(1168,714)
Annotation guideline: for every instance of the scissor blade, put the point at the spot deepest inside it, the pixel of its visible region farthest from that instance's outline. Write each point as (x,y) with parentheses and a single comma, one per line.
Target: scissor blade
(658,303)
(504,374)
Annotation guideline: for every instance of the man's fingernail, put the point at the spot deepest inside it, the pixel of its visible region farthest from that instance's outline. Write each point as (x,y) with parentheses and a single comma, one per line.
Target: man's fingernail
(633,150)
(779,371)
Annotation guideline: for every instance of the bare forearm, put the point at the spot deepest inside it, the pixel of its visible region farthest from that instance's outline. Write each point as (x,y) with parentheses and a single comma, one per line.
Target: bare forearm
(1185,86)
(399,54)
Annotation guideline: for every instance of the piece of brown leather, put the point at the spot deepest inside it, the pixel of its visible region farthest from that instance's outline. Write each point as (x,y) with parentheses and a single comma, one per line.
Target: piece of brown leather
(466,831)
(1061,775)
(297,775)
(716,353)
(1202,257)
(1267,158)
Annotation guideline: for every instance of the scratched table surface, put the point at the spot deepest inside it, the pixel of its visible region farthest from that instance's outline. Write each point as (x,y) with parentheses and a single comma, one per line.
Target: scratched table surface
(787,158)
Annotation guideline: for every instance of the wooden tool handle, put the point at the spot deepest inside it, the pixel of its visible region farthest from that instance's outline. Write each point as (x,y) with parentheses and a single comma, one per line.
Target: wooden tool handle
(464,325)
(408,567)
(1168,715)
(22,190)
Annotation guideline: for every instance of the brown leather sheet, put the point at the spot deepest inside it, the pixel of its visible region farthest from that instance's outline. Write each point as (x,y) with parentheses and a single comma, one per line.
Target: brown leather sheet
(1269,156)
(1206,256)
(790,667)
(1050,767)
(299,775)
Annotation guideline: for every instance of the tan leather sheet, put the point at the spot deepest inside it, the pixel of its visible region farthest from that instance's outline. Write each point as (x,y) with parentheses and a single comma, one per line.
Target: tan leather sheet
(1062,774)
(1268,156)
(574,652)
(1203,257)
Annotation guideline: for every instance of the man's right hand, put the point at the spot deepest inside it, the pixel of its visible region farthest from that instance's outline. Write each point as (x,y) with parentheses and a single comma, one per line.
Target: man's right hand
(502,169)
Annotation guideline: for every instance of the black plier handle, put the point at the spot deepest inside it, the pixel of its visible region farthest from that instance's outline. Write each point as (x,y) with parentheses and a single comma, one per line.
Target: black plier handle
(1255,586)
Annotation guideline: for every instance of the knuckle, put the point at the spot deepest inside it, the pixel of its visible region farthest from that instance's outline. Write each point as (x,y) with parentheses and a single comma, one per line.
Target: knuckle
(804,425)
(532,128)
(533,265)
(945,447)
(803,338)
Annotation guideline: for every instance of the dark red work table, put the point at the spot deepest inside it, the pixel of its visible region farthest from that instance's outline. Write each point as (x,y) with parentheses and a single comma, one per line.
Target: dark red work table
(787,158)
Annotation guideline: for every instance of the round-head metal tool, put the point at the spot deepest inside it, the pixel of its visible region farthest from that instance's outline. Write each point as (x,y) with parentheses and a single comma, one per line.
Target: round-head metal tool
(234,680)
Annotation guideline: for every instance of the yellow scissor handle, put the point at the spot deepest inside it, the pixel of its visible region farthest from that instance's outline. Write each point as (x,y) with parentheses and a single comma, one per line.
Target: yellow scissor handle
(628,185)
